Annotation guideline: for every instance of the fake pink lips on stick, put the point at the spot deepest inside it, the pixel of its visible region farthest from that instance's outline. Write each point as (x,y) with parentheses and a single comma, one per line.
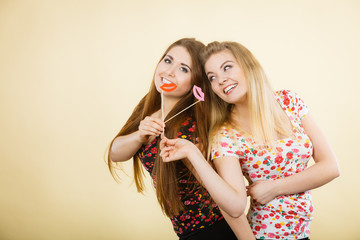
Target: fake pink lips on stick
(198,93)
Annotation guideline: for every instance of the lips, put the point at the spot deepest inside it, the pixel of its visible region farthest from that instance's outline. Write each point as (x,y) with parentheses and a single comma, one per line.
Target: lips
(167,85)
(229,88)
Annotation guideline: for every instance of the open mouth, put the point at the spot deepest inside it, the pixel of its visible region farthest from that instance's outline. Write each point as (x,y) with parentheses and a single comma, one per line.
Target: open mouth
(229,88)
(167,85)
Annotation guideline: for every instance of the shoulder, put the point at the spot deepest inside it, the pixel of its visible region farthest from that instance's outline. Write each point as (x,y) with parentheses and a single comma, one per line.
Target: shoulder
(226,141)
(288,98)
(291,102)
(222,132)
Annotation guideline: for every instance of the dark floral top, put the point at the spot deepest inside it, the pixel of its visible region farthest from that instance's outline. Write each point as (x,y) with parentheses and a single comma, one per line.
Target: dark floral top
(198,213)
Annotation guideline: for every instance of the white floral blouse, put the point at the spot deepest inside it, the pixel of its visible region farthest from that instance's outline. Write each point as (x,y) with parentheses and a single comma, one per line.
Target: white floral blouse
(287,216)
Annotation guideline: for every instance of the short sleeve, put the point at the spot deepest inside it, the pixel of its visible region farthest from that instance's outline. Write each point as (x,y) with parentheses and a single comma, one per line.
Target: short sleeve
(223,144)
(292,103)
(302,108)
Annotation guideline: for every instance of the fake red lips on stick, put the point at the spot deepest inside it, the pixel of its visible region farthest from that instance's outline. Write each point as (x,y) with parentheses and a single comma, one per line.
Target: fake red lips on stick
(168,87)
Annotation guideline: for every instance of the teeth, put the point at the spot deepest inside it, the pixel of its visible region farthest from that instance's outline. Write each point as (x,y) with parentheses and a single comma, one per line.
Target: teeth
(164,80)
(226,90)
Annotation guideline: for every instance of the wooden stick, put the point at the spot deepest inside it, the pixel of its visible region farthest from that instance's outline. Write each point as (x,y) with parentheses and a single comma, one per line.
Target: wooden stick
(181,111)
(162,110)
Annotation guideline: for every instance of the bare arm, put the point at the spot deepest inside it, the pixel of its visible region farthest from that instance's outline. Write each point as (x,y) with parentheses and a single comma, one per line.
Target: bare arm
(324,170)
(125,147)
(229,193)
(240,226)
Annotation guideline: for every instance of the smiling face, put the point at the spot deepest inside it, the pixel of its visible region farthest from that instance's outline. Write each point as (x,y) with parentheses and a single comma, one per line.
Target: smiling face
(173,73)
(227,77)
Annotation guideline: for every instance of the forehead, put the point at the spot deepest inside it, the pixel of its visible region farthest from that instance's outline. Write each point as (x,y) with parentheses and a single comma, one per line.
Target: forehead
(219,58)
(180,54)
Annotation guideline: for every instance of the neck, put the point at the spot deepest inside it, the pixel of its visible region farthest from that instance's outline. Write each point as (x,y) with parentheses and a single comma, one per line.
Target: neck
(241,117)
(241,111)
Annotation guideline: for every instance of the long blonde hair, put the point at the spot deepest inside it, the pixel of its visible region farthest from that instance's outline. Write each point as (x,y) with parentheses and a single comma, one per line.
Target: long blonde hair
(266,122)
(165,173)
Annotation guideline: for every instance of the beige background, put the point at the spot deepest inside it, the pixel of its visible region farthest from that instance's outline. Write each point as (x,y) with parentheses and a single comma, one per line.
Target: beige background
(72,71)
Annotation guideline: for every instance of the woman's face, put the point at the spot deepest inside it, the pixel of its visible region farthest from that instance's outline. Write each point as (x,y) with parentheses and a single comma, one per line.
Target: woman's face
(226,77)
(174,69)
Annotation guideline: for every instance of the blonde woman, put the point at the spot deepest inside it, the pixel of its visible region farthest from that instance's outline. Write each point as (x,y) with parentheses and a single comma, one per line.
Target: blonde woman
(271,134)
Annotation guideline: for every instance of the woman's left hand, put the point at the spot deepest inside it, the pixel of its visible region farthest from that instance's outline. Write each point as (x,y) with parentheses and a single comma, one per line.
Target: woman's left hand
(175,149)
(262,191)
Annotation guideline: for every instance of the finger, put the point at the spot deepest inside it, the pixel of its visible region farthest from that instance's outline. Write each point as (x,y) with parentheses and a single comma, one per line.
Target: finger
(163,144)
(154,126)
(157,122)
(171,142)
(148,132)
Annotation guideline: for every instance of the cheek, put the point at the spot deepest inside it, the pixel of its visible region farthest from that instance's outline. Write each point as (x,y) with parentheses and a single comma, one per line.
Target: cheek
(215,88)
(186,83)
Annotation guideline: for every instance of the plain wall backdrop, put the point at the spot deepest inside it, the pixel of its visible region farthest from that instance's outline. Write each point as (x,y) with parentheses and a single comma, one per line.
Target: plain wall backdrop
(71,73)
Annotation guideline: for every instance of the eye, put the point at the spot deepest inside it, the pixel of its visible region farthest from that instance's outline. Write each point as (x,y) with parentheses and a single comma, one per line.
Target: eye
(227,67)
(184,69)
(211,78)
(167,60)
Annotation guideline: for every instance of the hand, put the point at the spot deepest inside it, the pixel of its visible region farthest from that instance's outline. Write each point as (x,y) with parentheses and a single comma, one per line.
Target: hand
(175,149)
(150,126)
(263,191)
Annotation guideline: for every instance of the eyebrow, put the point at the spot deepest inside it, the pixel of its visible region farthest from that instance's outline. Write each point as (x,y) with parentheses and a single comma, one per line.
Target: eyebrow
(183,64)
(221,66)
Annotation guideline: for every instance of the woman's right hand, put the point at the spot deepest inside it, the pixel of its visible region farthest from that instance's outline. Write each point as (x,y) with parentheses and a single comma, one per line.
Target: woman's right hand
(150,127)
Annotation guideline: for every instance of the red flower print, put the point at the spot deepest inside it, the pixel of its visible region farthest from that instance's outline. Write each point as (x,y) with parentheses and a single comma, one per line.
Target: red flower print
(271,235)
(295,150)
(255,166)
(191,130)
(278,225)
(273,167)
(307,145)
(289,155)
(266,171)
(286,101)
(186,123)
(265,161)
(257,228)
(154,150)
(279,159)
(247,151)
(224,144)
(279,149)
(289,143)
(239,153)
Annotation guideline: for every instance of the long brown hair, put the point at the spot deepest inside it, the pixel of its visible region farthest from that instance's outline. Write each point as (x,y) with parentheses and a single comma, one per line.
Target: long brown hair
(265,118)
(165,174)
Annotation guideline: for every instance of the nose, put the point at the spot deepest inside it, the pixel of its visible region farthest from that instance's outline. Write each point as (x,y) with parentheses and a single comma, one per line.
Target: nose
(171,71)
(223,80)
